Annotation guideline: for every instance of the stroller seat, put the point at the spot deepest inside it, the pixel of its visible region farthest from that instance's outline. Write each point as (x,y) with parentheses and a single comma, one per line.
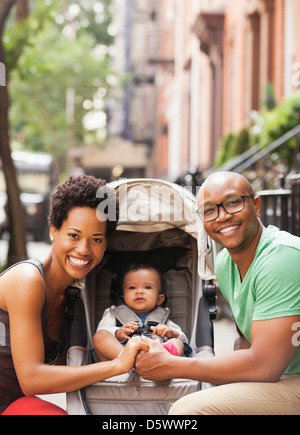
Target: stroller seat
(131,393)
(118,395)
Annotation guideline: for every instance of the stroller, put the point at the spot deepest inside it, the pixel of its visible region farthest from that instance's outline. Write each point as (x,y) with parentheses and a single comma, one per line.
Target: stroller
(158,225)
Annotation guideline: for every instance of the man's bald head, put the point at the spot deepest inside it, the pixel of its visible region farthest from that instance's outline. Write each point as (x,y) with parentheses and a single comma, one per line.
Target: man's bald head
(235,231)
(223,184)
(222,178)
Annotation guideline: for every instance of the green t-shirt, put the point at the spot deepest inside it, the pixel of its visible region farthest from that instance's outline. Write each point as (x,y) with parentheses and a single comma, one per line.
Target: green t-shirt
(271,288)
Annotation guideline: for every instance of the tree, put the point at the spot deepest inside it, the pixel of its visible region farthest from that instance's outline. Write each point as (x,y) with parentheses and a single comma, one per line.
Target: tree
(17,249)
(58,90)
(53,51)
(22,10)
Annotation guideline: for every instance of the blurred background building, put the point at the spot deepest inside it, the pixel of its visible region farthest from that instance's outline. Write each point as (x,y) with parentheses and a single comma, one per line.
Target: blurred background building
(196,71)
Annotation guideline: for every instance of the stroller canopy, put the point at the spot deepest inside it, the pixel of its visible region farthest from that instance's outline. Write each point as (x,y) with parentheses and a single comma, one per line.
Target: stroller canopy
(148,205)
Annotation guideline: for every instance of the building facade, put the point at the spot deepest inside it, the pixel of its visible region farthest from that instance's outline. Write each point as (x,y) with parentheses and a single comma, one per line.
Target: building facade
(198,69)
(226,54)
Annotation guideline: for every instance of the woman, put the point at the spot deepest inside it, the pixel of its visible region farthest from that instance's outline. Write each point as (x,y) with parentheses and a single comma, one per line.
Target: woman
(33,303)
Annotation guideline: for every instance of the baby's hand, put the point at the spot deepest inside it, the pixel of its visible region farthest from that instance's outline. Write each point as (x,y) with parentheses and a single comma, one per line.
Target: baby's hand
(123,333)
(164,331)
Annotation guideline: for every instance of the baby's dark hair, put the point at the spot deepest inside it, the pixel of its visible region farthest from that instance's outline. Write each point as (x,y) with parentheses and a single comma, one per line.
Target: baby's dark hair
(117,288)
(83,191)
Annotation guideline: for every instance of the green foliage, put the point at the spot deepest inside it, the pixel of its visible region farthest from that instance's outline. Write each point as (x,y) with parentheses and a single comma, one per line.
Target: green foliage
(268,127)
(99,15)
(22,34)
(233,146)
(242,142)
(226,150)
(49,54)
(269,102)
(279,121)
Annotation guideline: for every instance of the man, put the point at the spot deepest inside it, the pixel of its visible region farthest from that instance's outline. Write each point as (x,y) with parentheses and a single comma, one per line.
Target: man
(259,275)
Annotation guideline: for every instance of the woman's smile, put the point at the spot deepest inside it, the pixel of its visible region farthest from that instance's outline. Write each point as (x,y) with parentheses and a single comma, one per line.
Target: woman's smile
(77,262)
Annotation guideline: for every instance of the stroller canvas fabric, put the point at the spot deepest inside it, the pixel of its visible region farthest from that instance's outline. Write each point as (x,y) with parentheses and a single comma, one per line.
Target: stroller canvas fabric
(158,225)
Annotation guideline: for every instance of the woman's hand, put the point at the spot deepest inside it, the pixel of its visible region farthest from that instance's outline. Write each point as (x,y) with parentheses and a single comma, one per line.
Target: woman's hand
(128,356)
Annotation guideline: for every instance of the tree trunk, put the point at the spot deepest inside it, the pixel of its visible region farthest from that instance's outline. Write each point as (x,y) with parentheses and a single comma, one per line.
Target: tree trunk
(22,9)
(5,7)
(17,249)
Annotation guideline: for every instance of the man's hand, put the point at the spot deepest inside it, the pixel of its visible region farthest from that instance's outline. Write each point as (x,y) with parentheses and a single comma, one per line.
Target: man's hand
(123,333)
(164,331)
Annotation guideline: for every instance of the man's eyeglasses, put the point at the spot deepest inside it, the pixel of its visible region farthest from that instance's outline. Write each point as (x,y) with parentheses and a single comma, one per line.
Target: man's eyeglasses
(232,205)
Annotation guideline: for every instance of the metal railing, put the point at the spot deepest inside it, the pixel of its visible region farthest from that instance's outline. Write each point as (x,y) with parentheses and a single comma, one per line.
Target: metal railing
(256,153)
(276,208)
(295,182)
(282,207)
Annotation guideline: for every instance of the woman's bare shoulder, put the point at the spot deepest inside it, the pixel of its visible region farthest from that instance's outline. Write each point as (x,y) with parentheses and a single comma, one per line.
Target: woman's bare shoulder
(21,284)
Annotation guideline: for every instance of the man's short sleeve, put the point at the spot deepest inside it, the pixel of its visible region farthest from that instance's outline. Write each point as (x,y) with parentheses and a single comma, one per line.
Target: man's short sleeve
(278,284)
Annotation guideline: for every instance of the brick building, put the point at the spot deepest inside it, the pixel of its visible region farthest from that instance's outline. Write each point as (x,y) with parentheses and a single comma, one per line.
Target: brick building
(199,67)
(226,52)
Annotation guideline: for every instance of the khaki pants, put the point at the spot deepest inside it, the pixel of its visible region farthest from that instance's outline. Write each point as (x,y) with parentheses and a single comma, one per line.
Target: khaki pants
(282,398)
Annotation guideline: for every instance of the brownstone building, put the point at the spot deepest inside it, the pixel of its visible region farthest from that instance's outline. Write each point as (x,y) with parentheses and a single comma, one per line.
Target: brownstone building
(225,54)
(199,69)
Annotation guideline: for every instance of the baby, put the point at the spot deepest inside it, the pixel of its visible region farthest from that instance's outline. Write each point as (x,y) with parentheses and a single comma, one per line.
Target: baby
(143,296)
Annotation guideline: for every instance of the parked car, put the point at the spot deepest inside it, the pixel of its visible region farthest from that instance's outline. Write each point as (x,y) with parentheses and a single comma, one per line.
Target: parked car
(37,178)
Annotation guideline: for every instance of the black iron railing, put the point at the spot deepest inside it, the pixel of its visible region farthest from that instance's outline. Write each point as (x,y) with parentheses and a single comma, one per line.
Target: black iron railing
(282,207)
(256,153)
(276,208)
(295,182)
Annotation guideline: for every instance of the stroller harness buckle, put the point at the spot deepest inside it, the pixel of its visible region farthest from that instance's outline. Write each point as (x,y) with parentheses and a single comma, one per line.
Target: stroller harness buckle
(125,315)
